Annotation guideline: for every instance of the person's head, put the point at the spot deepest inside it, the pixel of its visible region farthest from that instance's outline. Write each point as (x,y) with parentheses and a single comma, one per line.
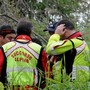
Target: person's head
(69,28)
(51,28)
(7,34)
(24,28)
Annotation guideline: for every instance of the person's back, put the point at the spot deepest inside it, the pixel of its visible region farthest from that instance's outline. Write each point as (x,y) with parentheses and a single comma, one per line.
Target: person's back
(7,34)
(73,51)
(25,59)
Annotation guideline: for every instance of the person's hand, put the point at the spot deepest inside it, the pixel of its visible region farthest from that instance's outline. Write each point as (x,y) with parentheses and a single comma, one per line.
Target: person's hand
(60,29)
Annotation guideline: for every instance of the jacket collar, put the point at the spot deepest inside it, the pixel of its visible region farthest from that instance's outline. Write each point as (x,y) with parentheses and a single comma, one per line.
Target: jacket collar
(23,37)
(75,35)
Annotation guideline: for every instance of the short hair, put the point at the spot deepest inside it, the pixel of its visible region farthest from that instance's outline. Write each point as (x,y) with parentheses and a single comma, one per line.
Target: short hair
(68,24)
(6,29)
(24,27)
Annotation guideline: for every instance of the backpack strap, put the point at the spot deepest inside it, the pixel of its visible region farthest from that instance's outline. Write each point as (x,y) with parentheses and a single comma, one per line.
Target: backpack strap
(72,43)
(69,59)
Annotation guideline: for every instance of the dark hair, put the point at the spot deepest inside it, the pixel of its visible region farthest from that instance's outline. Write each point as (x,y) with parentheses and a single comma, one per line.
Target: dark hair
(68,24)
(24,27)
(6,29)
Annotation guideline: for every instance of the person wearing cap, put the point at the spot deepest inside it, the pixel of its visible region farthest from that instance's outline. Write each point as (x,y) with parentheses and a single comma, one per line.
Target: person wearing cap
(7,34)
(51,58)
(25,62)
(51,28)
(73,51)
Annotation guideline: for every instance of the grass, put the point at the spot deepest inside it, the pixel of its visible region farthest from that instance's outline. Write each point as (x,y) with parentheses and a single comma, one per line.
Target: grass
(52,84)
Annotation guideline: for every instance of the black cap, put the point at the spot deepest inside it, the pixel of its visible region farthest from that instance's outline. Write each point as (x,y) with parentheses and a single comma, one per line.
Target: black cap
(51,27)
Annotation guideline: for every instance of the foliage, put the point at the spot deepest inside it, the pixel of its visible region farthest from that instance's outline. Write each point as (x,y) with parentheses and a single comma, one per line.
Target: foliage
(44,12)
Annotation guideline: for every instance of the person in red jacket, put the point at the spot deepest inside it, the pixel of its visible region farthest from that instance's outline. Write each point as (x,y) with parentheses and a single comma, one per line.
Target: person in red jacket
(23,53)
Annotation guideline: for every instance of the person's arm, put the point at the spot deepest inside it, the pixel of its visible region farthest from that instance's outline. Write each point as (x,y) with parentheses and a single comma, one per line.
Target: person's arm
(3,66)
(44,60)
(43,66)
(1,59)
(56,46)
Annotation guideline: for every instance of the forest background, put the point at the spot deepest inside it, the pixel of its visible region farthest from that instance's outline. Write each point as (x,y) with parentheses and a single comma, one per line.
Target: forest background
(42,12)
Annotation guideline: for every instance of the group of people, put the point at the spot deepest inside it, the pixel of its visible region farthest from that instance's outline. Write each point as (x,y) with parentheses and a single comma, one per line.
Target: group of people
(25,64)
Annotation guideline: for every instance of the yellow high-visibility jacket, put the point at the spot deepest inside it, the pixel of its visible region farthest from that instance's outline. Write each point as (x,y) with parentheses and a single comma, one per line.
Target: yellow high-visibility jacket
(23,62)
(76,67)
